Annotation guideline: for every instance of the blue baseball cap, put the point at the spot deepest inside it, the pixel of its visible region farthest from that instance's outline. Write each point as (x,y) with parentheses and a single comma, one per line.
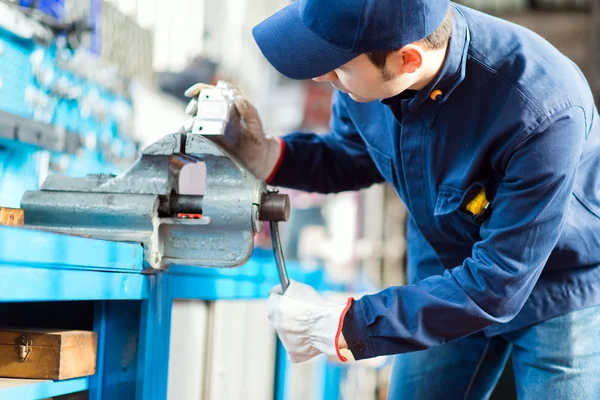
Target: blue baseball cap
(309,38)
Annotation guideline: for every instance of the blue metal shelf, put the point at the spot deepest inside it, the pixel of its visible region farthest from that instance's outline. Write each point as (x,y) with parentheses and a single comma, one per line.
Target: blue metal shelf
(41,266)
(25,389)
(253,280)
(26,247)
(19,283)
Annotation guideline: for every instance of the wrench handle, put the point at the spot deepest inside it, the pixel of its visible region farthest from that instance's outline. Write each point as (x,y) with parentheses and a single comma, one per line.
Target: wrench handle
(278,253)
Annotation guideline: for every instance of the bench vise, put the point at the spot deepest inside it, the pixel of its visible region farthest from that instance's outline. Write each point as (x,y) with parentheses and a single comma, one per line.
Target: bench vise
(211,225)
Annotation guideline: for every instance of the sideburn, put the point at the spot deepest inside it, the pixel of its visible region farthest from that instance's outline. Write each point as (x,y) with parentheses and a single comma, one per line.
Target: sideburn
(386,75)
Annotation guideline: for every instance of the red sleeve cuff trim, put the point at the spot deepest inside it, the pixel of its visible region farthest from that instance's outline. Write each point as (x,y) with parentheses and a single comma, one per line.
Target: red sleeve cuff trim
(339,330)
(278,164)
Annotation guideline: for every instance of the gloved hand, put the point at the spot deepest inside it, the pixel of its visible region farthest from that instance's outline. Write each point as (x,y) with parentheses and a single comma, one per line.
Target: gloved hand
(307,323)
(260,154)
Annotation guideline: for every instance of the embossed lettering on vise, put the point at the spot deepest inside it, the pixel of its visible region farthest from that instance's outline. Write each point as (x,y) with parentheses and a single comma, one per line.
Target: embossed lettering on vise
(205,244)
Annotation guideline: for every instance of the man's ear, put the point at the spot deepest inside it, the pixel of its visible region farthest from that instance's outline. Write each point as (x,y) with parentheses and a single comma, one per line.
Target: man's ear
(406,60)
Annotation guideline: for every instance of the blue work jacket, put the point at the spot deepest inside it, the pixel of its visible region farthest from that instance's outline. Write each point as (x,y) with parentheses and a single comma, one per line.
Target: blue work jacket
(516,119)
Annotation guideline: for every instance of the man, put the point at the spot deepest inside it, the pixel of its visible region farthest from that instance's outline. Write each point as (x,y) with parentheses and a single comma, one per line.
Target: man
(491,138)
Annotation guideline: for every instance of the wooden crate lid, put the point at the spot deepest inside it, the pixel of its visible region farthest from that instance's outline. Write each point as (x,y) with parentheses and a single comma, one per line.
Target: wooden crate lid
(49,338)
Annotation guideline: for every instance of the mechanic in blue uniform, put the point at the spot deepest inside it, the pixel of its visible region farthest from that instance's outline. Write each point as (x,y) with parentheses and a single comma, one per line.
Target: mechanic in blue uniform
(491,138)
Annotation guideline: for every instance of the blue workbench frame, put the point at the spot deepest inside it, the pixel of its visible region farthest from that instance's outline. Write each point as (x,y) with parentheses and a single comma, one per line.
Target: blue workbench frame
(253,280)
(40,266)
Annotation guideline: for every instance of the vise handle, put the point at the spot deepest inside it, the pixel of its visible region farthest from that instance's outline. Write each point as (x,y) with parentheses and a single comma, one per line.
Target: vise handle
(276,207)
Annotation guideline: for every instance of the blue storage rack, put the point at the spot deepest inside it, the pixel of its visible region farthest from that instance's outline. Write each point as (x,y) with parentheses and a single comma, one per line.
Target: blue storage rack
(63,99)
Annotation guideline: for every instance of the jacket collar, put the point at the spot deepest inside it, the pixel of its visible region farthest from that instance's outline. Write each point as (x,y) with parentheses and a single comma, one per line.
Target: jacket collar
(449,77)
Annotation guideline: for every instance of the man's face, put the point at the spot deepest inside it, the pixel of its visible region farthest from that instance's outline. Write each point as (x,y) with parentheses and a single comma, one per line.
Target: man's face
(365,82)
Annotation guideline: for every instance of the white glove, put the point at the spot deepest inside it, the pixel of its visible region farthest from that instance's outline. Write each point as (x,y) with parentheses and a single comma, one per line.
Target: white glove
(260,154)
(307,323)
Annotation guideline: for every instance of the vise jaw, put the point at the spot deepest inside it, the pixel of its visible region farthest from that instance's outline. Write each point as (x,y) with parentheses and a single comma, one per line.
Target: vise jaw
(145,204)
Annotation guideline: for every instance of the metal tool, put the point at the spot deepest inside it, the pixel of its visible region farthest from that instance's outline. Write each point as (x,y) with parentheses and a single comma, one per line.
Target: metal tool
(280,202)
(147,204)
(278,253)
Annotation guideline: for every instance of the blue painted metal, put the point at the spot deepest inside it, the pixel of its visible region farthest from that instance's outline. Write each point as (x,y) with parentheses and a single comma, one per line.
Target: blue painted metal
(44,389)
(332,378)
(121,370)
(325,382)
(95,18)
(16,73)
(100,322)
(281,371)
(26,247)
(24,94)
(19,171)
(54,8)
(42,266)
(252,280)
(18,283)
(155,333)
(121,350)
(20,86)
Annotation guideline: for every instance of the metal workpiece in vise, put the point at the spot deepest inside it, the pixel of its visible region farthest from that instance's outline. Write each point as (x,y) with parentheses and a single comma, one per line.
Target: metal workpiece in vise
(148,203)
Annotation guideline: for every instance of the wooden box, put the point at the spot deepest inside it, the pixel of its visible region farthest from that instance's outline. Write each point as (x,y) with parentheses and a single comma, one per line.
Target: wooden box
(47,354)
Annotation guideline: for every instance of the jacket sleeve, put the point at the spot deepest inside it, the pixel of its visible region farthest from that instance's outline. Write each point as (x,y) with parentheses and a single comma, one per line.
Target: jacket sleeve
(334,162)
(421,258)
(492,285)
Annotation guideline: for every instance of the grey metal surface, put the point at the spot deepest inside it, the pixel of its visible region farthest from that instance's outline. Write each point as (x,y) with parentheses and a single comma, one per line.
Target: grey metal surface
(125,207)
(146,204)
(217,113)
(24,130)
(278,253)
(275,207)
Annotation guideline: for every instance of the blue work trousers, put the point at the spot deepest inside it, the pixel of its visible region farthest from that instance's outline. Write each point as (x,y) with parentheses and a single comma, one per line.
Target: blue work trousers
(556,359)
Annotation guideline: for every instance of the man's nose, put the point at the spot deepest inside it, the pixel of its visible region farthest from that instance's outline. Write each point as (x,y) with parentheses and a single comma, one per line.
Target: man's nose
(328,77)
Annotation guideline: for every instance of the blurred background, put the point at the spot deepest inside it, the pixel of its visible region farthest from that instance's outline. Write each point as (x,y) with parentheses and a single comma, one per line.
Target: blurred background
(104,78)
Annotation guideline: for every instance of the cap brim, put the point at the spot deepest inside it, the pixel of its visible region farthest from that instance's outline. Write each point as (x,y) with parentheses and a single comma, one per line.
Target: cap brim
(294,50)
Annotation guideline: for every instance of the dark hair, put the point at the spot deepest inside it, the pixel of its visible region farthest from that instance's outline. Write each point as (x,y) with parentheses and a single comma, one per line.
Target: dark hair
(437,40)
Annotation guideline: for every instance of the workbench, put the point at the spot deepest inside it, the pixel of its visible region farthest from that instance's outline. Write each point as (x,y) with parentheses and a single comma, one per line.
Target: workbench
(131,306)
